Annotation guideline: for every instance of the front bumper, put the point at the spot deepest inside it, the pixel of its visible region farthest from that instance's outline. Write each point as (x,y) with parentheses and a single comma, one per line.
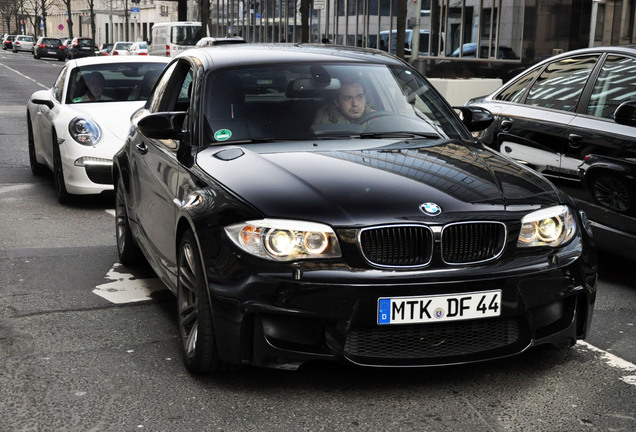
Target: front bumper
(275,321)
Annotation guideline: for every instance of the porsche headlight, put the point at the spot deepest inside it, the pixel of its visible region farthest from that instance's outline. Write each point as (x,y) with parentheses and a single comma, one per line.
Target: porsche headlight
(85,131)
(285,240)
(552,226)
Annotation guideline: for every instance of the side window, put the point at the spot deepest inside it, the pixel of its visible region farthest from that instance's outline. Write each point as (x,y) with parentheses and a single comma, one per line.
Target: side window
(174,91)
(615,84)
(58,87)
(160,91)
(516,91)
(561,83)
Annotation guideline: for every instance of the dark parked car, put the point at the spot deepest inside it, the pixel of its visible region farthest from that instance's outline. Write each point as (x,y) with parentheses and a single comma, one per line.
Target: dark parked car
(573,118)
(390,237)
(7,42)
(80,47)
(49,47)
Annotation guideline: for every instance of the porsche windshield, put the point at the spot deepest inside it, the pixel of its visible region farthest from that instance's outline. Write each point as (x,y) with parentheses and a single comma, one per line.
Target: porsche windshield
(314,101)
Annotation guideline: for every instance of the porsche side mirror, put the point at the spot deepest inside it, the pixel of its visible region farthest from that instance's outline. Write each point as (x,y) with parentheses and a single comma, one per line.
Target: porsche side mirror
(47,102)
(475,118)
(164,125)
(625,114)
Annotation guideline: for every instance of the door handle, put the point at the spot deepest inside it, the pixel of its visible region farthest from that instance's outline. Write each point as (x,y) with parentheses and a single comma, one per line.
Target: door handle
(142,147)
(506,125)
(575,140)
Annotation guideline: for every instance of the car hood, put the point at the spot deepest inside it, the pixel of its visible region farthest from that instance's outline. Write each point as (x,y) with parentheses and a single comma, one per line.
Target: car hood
(375,181)
(114,117)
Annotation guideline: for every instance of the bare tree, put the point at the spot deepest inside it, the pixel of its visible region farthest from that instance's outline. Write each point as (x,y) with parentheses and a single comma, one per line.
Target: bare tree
(69,11)
(9,14)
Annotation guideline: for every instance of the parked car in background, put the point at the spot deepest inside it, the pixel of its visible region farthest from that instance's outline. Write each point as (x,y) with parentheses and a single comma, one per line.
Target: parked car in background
(573,119)
(75,128)
(7,42)
(139,48)
(380,233)
(213,41)
(80,47)
(23,43)
(105,49)
(49,47)
(121,48)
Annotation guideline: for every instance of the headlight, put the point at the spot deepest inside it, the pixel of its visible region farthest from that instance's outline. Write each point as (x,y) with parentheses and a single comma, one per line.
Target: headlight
(552,226)
(84,131)
(285,240)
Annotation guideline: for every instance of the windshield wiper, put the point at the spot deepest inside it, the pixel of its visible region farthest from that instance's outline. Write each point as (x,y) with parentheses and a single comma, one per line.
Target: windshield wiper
(427,135)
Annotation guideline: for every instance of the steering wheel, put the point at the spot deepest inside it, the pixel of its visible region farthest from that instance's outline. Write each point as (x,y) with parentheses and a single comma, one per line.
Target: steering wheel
(374,115)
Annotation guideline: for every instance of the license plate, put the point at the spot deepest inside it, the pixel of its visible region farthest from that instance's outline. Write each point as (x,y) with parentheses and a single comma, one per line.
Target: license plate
(52,52)
(439,308)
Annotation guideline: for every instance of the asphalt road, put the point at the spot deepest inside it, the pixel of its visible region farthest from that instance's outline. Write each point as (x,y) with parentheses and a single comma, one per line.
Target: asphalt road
(88,345)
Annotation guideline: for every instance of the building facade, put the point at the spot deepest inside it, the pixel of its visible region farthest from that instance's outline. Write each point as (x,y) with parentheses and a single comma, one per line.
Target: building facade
(451,31)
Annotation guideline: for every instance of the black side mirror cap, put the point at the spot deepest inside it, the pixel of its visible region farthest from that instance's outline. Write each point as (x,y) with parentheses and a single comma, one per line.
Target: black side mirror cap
(625,114)
(164,125)
(475,118)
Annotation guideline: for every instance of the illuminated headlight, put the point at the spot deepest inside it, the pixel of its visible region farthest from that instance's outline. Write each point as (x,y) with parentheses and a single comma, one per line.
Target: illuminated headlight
(552,226)
(84,131)
(285,240)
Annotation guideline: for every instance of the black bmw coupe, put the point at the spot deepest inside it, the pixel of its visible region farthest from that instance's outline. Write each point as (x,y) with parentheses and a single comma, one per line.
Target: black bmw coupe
(326,203)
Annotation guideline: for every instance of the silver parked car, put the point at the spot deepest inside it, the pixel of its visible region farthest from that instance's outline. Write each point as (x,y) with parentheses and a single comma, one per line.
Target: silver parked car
(23,43)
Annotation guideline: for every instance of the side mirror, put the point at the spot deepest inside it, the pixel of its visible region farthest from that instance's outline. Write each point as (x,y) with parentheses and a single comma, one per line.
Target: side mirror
(475,118)
(46,102)
(625,114)
(165,125)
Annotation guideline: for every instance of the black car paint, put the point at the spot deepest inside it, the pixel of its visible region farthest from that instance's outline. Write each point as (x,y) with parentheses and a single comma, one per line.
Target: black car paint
(283,314)
(594,147)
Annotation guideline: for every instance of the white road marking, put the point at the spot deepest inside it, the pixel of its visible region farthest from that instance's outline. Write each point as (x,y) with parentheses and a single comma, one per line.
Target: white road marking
(124,287)
(24,76)
(614,361)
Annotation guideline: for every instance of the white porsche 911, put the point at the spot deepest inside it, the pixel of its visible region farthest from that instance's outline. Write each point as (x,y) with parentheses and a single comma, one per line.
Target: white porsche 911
(76,127)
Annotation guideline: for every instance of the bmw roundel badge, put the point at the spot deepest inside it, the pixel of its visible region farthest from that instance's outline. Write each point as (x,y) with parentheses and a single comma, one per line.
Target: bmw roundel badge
(431,209)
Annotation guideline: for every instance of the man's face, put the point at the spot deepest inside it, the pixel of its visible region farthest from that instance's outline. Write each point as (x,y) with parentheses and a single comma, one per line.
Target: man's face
(96,85)
(351,101)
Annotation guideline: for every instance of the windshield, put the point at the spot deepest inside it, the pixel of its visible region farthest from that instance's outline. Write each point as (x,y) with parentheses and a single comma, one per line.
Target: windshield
(108,82)
(314,101)
(185,35)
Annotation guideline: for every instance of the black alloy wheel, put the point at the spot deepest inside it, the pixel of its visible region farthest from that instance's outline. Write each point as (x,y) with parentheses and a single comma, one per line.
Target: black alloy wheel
(37,168)
(58,174)
(196,326)
(127,249)
(612,192)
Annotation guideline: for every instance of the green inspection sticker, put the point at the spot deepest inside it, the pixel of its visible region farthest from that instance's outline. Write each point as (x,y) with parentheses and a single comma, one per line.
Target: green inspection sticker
(222,134)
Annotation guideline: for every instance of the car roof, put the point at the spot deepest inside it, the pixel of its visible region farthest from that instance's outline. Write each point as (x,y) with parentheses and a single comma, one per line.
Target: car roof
(255,54)
(87,61)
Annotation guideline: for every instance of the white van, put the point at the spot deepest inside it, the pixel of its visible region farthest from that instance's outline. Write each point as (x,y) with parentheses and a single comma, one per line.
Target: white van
(408,39)
(171,38)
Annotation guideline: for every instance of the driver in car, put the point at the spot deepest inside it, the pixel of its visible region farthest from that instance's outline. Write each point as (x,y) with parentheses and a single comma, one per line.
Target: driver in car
(349,106)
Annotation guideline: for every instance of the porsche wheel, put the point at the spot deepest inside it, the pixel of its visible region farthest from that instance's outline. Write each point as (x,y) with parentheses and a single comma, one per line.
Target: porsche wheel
(37,168)
(196,326)
(127,249)
(58,174)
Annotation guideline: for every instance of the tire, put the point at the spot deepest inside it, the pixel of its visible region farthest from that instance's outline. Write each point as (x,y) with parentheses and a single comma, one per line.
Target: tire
(196,325)
(37,168)
(127,248)
(612,192)
(36,56)
(58,174)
